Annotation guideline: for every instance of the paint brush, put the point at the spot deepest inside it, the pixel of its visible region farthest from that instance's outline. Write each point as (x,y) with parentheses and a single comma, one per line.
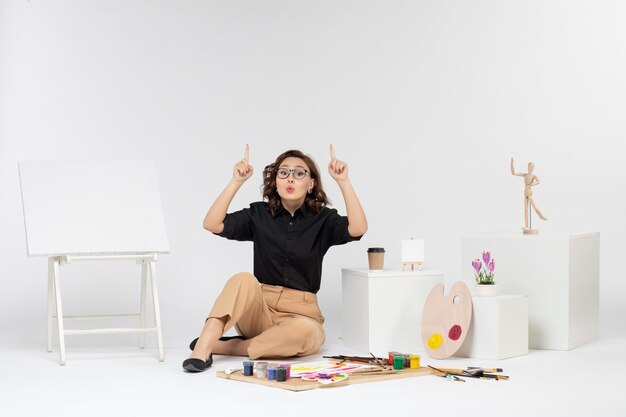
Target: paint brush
(463,372)
(474,373)
(486,369)
(447,374)
(373,372)
(361,359)
(373,360)
(496,377)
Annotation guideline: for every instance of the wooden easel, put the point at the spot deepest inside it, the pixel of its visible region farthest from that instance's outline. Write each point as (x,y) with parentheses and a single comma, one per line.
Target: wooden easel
(79,211)
(55,305)
(420,265)
(412,253)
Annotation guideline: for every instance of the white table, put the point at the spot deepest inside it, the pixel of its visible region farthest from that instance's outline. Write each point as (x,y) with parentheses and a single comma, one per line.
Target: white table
(559,274)
(382,311)
(499,328)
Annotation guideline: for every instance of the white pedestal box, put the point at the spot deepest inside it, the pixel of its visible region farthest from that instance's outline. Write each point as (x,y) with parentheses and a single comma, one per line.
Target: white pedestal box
(499,328)
(559,274)
(382,311)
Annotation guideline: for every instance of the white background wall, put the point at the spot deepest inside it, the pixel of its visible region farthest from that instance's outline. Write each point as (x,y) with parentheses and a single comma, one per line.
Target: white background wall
(426,100)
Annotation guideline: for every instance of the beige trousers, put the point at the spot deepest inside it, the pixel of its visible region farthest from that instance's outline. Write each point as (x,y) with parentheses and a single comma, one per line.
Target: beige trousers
(280,322)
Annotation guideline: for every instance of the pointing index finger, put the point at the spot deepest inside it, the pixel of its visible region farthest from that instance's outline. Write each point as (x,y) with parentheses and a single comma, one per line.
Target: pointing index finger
(332,153)
(246,154)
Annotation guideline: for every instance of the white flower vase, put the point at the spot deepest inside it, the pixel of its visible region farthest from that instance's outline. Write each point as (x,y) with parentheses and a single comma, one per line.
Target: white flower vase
(485,290)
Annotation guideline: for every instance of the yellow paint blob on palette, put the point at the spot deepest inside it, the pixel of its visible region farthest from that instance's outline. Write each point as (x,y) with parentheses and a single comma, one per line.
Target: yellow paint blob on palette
(434,341)
(446,320)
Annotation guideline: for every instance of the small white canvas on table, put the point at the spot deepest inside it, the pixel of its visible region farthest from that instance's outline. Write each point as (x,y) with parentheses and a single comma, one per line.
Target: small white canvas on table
(95,210)
(412,253)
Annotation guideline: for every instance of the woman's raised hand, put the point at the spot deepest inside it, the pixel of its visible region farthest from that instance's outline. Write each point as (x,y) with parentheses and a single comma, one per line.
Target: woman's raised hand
(242,169)
(337,169)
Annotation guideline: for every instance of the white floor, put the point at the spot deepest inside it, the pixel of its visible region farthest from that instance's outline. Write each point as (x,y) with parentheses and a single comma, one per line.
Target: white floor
(587,381)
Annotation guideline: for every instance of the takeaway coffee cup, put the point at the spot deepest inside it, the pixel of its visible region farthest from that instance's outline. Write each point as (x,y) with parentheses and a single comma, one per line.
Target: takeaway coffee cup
(376,258)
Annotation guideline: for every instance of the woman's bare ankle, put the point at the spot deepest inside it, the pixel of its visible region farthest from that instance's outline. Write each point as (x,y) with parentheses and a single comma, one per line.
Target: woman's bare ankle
(200,354)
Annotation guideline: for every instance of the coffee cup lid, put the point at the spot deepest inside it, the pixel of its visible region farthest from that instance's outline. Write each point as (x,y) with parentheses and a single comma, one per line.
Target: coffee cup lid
(376,250)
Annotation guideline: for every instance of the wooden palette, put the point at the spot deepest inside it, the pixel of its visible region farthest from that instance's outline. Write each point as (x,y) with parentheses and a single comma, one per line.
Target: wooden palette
(297,384)
(446,320)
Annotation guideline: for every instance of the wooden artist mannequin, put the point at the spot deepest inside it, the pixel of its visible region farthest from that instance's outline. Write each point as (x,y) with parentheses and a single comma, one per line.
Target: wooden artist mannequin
(530,180)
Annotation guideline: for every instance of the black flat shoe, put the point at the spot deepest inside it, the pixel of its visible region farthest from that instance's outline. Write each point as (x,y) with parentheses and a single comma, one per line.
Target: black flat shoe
(197,365)
(192,345)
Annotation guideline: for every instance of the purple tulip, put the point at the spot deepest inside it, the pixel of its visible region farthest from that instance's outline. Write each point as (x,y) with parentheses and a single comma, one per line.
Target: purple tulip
(477,264)
(492,265)
(486,257)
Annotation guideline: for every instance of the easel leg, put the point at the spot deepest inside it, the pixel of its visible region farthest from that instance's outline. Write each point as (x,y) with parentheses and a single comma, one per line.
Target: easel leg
(50,301)
(157,314)
(59,308)
(142,317)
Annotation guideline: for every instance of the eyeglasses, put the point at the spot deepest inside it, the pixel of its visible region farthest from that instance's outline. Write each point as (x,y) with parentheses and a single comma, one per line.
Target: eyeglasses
(298,173)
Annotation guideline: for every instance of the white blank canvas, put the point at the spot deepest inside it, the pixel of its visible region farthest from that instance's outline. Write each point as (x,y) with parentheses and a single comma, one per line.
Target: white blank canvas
(92,207)
(412,250)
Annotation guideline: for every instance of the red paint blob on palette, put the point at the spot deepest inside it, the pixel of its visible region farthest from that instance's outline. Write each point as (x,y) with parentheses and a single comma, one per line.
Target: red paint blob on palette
(455,332)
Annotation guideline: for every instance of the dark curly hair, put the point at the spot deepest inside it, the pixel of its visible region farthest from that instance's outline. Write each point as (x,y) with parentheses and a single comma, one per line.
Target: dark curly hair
(315,201)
